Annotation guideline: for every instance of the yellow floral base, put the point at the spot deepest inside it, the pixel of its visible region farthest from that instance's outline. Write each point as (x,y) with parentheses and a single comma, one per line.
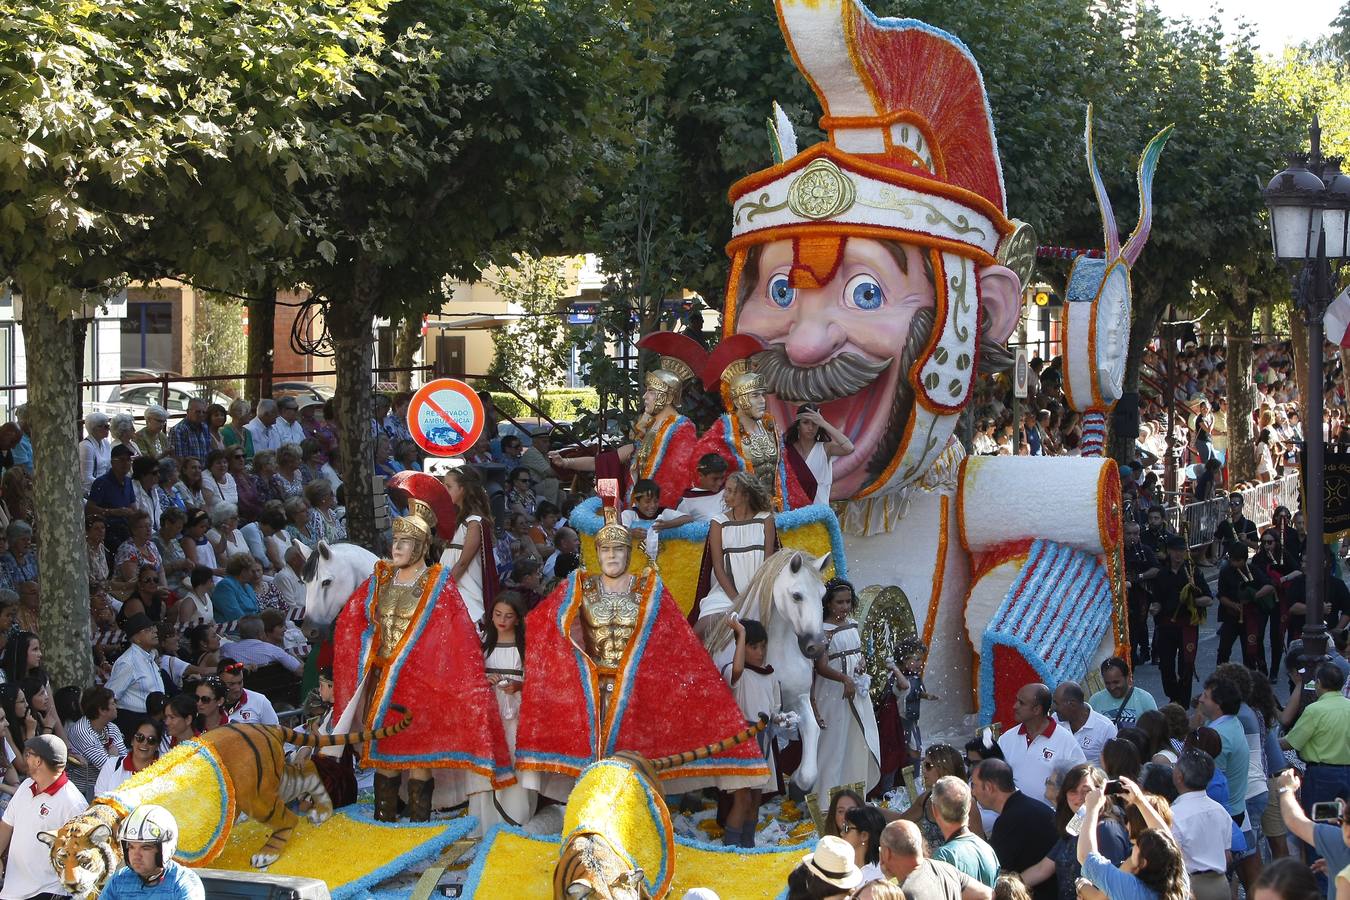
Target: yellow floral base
(518,866)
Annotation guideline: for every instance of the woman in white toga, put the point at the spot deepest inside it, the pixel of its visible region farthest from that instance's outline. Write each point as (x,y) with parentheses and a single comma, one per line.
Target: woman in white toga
(472,541)
(739,540)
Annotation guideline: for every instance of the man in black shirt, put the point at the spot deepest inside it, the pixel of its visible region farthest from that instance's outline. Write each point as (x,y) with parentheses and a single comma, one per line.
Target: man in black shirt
(1335,603)
(1245,598)
(1141,565)
(1237,527)
(1155,532)
(1180,595)
(1025,830)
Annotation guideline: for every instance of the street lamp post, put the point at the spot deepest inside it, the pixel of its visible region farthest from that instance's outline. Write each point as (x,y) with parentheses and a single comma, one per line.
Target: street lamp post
(1310,226)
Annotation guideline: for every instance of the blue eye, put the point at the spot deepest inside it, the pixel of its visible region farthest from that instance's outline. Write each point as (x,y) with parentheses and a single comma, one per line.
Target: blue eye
(781,291)
(863,292)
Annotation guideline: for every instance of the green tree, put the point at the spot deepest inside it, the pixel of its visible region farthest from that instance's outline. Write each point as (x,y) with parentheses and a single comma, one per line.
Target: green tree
(532,353)
(218,342)
(141,140)
(489,135)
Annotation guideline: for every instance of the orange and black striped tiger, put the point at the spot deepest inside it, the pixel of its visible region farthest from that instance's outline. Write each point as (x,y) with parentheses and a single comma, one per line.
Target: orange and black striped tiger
(85,854)
(589,868)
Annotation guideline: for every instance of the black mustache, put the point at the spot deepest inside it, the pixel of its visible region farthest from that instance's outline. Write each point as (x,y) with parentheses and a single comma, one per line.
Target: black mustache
(843,376)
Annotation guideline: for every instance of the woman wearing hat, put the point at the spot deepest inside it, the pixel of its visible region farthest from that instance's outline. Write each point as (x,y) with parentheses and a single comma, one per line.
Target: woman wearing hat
(826,872)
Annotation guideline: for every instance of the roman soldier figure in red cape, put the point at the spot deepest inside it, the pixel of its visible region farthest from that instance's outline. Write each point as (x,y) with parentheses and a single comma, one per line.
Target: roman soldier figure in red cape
(405,640)
(613,665)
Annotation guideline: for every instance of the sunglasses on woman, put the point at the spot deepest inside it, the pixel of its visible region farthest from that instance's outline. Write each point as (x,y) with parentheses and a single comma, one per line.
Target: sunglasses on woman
(205,698)
(145,738)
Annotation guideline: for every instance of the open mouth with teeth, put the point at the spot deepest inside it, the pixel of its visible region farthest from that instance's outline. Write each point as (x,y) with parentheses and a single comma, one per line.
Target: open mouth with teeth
(868,419)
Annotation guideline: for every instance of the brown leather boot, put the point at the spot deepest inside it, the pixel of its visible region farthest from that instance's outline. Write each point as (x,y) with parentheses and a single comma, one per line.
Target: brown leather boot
(419,800)
(386,797)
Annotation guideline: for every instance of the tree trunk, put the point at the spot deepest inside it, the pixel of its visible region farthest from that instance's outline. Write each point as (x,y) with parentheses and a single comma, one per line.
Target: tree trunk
(406,344)
(1124,425)
(1298,339)
(351,336)
(54,364)
(1238,371)
(261,327)
(1267,322)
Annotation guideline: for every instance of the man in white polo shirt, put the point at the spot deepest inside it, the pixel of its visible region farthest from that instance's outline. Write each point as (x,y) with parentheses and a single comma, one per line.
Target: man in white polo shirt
(240,705)
(1202,827)
(1090,728)
(1037,744)
(42,803)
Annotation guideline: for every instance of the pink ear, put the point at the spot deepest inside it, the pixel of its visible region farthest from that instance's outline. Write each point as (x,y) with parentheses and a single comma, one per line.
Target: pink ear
(1001,296)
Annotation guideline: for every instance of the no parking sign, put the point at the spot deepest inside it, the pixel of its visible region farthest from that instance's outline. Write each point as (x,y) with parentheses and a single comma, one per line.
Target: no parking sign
(445,417)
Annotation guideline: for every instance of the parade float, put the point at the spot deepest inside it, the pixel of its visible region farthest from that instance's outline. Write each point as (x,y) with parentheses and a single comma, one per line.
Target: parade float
(873,276)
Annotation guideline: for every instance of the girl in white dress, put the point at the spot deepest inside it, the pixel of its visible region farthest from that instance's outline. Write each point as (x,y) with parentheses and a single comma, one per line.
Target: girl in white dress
(739,540)
(504,661)
(816,442)
(848,749)
(465,555)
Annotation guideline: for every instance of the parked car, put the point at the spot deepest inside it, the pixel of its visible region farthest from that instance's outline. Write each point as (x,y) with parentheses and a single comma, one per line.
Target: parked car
(303,391)
(134,398)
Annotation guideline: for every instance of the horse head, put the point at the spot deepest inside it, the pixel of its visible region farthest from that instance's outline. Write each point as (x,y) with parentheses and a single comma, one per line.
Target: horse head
(798,595)
(331,574)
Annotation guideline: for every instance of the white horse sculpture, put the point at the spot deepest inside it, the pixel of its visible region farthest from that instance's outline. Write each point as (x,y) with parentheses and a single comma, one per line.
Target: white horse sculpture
(331,574)
(785,596)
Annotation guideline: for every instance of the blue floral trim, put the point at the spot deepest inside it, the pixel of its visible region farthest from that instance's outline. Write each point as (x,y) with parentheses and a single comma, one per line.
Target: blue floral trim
(586,520)
(453,831)
(1060,647)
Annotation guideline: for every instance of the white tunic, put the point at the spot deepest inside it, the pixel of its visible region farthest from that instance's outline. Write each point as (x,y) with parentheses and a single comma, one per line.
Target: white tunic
(757,693)
(514,804)
(818,461)
(742,555)
(470,584)
(848,750)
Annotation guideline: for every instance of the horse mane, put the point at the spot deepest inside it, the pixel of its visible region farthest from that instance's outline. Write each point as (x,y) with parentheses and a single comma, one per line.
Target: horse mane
(757,598)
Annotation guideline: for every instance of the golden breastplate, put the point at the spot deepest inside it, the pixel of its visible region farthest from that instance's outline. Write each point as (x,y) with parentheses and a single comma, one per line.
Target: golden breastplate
(761,453)
(646,432)
(609,620)
(394,609)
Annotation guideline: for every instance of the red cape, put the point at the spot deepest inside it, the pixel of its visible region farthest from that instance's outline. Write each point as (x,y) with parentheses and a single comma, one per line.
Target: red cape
(436,671)
(719,439)
(669,697)
(674,461)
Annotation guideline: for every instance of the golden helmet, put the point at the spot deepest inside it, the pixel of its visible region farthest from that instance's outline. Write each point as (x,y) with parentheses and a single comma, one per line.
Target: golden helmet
(417,524)
(612,534)
(665,384)
(741,381)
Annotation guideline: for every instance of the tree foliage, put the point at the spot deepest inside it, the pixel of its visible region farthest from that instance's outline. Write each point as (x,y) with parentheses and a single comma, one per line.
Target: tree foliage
(532,353)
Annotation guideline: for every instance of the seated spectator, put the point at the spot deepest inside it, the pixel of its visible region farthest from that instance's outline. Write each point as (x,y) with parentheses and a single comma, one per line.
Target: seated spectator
(566,545)
(1154,869)
(176,670)
(94,737)
(180,721)
(405,454)
(218,484)
(245,485)
(195,606)
(210,694)
(189,487)
(19,562)
(525,579)
(42,803)
(166,492)
(135,675)
(288,581)
(147,597)
(965,851)
(225,537)
(234,435)
(297,522)
(203,645)
(23,656)
(144,752)
(1036,744)
(196,546)
(258,643)
(1024,833)
(902,858)
(289,479)
(153,439)
(95,449)
(38,691)
(324,522)
(235,596)
(18,725)
(144,479)
(122,428)
(241,705)
(138,552)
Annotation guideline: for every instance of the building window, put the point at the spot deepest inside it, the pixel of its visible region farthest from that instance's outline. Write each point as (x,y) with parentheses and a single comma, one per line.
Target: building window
(147,336)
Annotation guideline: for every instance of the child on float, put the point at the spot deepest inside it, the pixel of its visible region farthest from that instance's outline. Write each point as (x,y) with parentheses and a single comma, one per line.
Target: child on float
(705,501)
(847,748)
(757,693)
(740,539)
(469,554)
(907,684)
(503,629)
(647,518)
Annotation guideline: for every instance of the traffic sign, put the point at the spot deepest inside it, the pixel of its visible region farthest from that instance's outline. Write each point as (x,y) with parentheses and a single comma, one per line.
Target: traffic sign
(445,417)
(1021,374)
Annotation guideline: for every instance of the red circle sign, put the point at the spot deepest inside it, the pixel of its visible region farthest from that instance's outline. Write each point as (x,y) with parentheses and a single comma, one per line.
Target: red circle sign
(445,417)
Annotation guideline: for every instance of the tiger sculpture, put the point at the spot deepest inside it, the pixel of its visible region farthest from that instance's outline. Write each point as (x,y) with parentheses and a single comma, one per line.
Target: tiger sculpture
(85,852)
(613,797)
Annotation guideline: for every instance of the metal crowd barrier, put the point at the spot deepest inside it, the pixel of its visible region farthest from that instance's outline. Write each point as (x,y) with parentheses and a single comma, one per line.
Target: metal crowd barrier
(1202,519)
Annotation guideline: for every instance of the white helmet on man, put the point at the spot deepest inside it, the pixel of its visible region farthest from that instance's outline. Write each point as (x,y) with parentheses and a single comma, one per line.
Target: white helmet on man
(150,824)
